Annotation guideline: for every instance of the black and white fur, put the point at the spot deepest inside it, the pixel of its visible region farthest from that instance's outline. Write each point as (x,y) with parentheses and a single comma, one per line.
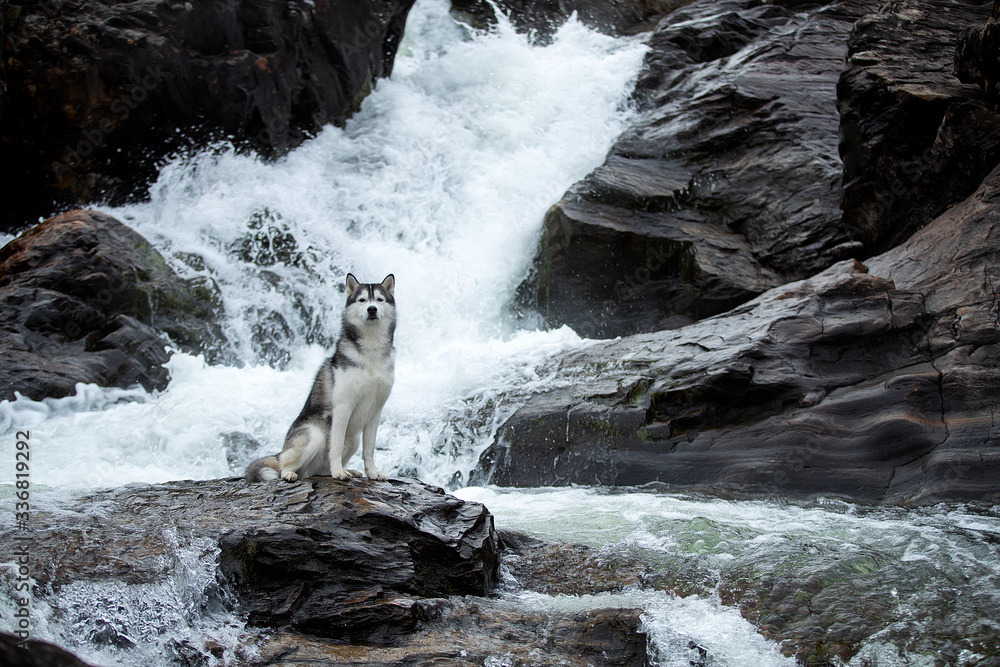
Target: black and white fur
(347,396)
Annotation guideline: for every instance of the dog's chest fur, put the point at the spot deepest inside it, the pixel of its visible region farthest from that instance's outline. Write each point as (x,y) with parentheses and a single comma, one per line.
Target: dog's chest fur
(362,380)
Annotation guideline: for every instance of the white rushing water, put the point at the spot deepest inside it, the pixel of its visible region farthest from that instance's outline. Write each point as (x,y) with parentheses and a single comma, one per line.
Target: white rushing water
(443,179)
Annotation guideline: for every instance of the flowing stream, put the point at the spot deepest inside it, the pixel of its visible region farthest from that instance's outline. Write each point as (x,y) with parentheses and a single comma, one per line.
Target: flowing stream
(443,179)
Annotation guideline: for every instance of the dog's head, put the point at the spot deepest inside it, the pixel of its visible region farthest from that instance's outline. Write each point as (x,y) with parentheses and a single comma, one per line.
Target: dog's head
(370,302)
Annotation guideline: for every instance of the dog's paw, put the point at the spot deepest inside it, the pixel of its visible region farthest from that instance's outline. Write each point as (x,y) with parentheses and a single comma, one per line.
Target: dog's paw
(289,476)
(376,475)
(355,473)
(341,474)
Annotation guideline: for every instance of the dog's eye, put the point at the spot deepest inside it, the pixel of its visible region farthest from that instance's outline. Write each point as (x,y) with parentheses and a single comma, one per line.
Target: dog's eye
(380,299)
(362,299)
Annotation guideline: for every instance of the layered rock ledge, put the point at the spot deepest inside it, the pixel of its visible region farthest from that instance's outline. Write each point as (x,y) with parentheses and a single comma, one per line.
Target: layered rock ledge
(870,382)
(352,562)
(727,184)
(760,157)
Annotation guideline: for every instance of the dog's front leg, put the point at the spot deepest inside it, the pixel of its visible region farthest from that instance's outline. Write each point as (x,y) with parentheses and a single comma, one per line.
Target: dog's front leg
(368,450)
(338,432)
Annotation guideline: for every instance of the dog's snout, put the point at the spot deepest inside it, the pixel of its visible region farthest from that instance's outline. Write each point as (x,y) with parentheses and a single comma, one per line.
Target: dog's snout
(372,311)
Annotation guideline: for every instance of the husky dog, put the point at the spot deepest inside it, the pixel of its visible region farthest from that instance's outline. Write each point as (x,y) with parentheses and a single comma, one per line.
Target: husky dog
(347,396)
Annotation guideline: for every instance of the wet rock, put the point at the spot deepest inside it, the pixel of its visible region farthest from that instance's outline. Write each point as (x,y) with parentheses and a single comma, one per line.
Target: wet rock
(86,299)
(98,92)
(485,632)
(872,383)
(478,631)
(15,652)
(726,185)
(358,562)
(556,568)
(976,56)
(355,573)
(914,139)
(541,18)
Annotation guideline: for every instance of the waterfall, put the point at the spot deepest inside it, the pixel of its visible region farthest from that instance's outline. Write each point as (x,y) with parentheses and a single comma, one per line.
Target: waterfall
(443,178)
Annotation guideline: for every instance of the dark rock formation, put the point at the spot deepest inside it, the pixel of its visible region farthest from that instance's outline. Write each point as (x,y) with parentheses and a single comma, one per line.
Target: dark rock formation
(977,56)
(330,571)
(477,631)
(474,632)
(96,92)
(33,653)
(875,384)
(727,184)
(914,140)
(346,561)
(541,18)
(86,299)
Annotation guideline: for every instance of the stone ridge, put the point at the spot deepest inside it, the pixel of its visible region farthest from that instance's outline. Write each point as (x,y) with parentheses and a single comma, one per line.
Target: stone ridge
(871,383)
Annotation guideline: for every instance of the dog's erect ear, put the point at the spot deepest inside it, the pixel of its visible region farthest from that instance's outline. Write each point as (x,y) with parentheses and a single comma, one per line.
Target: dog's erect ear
(352,284)
(389,284)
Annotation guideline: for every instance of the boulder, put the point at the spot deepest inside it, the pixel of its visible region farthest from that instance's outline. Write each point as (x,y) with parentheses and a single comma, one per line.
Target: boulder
(914,139)
(872,383)
(86,299)
(727,184)
(98,92)
(15,652)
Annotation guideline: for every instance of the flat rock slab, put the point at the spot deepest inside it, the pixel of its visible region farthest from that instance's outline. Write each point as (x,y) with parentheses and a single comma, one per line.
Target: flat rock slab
(475,632)
(346,560)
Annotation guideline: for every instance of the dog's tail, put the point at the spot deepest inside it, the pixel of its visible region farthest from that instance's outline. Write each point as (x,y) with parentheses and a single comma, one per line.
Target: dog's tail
(262,470)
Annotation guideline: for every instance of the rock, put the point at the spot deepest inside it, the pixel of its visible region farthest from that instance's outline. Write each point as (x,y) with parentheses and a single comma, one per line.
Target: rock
(555,568)
(727,184)
(97,93)
(34,653)
(976,58)
(354,562)
(914,140)
(477,631)
(86,299)
(474,632)
(541,18)
(874,384)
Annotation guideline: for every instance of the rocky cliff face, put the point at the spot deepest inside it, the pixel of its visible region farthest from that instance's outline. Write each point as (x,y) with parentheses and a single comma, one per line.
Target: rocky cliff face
(868,381)
(96,93)
(914,139)
(731,181)
(727,185)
